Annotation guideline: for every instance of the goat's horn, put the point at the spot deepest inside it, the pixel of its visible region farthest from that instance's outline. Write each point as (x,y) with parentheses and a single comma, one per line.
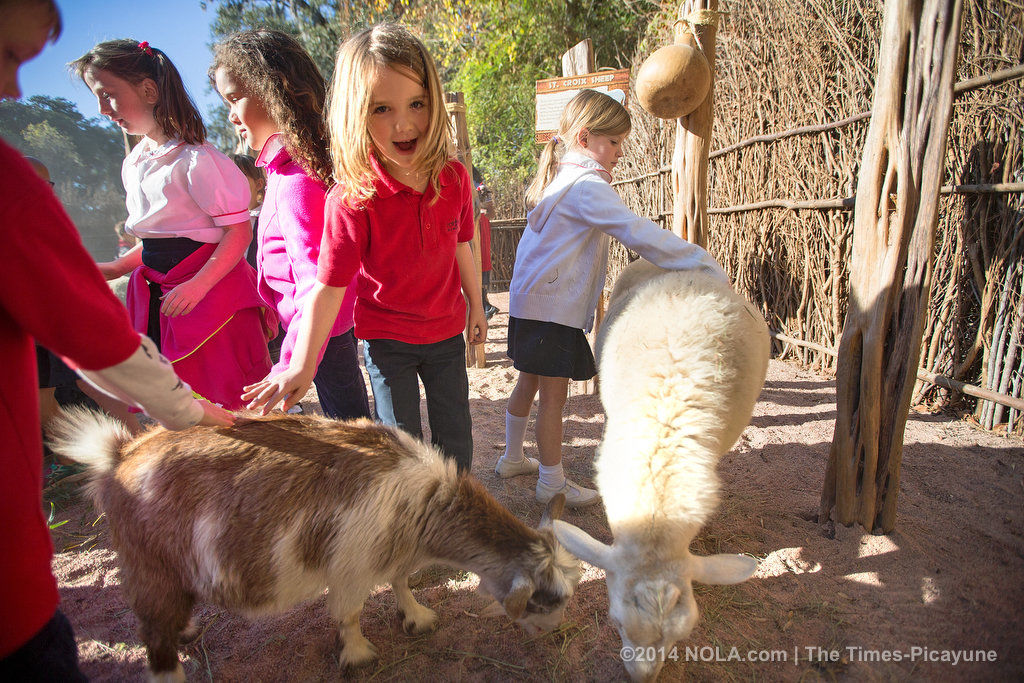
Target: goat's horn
(553,511)
(583,545)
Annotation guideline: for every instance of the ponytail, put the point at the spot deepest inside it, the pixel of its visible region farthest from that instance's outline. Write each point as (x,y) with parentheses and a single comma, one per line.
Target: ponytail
(546,169)
(174,111)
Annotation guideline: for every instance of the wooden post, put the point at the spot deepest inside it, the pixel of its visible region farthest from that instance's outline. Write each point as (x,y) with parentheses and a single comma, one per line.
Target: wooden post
(579,60)
(697,27)
(456,105)
(895,215)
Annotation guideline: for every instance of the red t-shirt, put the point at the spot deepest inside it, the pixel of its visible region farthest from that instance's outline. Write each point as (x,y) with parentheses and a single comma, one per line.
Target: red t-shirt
(403,247)
(50,292)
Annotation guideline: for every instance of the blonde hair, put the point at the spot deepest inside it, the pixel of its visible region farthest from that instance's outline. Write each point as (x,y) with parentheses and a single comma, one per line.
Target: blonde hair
(590,111)
(360,59)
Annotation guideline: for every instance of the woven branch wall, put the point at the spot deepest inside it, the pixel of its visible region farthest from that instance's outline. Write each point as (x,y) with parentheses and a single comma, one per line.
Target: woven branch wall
(808,62)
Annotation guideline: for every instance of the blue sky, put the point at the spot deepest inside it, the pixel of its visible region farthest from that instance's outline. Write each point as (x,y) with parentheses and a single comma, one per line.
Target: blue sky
(181,28)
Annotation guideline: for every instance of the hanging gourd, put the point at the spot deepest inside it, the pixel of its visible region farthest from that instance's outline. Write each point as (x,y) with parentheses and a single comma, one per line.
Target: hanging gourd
(673,81)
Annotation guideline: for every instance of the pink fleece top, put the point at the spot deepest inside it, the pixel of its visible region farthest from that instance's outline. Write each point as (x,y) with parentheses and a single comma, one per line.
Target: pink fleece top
(291,227)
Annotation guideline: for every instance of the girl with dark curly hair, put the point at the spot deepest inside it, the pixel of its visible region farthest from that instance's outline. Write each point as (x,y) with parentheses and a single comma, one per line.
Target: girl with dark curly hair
(275,96)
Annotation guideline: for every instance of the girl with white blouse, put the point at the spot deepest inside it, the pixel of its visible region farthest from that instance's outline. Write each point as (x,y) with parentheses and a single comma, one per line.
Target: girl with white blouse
(190,290)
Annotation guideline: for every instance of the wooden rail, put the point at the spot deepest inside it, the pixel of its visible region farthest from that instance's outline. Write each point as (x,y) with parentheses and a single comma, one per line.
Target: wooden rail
(923,375)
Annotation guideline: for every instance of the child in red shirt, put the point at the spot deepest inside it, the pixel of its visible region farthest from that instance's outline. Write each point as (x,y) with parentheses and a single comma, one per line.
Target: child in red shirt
(91,332)
(485,256)
(401,216)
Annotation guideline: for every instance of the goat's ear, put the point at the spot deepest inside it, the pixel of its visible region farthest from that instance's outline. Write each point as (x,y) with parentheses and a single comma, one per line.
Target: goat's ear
(583,545)
(518,595)
(553,511)
(722,570)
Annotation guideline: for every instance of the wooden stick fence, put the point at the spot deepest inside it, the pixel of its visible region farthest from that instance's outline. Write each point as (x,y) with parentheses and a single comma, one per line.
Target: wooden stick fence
(923,375)
(794,262)
(846,203)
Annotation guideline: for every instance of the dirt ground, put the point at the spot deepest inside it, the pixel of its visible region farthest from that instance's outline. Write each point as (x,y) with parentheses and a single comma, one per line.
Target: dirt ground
(948,583)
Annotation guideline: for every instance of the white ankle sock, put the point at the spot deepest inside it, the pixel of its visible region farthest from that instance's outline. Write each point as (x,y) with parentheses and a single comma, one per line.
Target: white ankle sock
(553,477)
(515,434)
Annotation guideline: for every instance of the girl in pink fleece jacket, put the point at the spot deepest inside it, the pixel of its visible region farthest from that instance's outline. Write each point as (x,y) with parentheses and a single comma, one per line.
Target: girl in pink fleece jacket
(275,95)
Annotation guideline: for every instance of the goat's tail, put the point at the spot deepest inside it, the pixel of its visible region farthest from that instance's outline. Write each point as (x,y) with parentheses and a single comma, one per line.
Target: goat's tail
(88,437)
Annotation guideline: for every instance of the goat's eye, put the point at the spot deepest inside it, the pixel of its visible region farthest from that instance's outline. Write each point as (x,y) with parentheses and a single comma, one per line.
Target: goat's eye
(545,600)
(534,608)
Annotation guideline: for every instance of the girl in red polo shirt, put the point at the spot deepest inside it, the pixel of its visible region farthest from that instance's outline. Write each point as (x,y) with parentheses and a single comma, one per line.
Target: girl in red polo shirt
(401,216)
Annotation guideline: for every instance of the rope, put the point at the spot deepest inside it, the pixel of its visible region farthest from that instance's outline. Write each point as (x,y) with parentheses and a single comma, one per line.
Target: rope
(699,17)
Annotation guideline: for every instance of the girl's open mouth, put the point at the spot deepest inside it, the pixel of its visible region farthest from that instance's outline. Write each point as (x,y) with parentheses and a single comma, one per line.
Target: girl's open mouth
(405,146)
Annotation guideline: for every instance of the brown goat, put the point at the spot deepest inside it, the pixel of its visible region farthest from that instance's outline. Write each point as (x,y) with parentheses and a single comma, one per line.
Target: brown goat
(270,512)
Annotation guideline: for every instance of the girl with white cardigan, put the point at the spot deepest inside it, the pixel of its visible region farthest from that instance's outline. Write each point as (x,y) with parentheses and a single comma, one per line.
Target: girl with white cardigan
(560,270)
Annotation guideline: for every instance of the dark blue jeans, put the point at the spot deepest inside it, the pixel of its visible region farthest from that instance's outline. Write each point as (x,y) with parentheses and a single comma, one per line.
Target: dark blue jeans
(50,655)
(339,384)
(394,367)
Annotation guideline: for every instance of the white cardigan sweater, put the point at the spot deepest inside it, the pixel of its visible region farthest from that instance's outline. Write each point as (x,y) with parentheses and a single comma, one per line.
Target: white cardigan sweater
(562,258)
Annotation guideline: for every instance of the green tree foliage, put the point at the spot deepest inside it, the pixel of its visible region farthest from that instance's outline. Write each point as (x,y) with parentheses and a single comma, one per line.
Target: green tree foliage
(492,50)
(84,158)
(319,26)
(519,43)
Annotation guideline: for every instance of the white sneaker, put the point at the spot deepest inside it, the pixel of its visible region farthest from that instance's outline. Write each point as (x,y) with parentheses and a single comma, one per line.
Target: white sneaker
(576,496)
(506,468)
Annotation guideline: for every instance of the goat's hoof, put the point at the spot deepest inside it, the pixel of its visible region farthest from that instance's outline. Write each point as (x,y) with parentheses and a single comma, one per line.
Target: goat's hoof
(175,676)
(189,633)
(422,620)
(357,654)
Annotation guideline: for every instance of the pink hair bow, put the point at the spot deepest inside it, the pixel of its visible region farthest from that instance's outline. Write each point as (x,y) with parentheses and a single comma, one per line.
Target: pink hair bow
(144,46)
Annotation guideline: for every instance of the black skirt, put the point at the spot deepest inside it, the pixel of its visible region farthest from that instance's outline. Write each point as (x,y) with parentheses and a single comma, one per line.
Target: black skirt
(550,349)
(162,254)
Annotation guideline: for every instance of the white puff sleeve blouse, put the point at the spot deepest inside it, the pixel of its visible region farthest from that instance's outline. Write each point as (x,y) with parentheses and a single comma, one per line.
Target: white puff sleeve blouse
(181,190)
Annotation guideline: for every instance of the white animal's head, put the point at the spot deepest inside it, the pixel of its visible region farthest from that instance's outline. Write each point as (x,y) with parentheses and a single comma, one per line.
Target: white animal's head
(650,597)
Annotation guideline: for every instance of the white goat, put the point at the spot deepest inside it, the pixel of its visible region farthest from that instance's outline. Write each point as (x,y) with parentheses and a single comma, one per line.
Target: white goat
(265,514)
(682,359)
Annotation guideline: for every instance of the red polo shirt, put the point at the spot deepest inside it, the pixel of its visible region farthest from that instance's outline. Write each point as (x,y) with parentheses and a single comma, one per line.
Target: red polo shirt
(408,286)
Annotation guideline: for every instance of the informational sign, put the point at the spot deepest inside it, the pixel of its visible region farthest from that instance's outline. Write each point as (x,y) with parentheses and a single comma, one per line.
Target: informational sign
(554,93)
